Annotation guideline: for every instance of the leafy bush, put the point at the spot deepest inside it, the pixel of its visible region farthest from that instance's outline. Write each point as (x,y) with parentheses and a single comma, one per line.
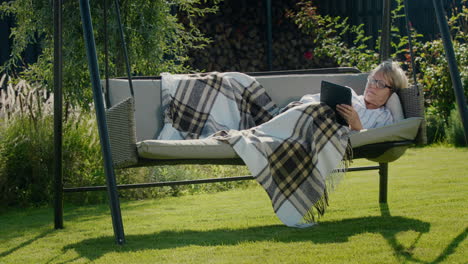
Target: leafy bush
(25,162)
(188,172)
(179,173)
(82,158)
(26,167)
(328,33)
(435,75)
(27,152)
(454,130)
(435,126)
(25,147)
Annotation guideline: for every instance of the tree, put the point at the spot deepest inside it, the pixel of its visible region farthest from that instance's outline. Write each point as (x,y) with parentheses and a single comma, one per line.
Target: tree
(157,41)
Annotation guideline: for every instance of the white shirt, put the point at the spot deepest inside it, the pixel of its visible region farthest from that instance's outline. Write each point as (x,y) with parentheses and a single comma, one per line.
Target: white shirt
(370,118)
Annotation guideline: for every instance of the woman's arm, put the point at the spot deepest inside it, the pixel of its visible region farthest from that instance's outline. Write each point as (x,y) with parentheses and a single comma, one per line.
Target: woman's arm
(350,115)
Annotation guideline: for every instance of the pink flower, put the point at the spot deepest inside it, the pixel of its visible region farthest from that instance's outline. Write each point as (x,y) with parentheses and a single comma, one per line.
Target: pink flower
(308,55)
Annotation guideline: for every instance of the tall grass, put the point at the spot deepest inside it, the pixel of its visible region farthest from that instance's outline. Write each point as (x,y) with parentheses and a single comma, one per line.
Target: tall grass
(22,99)
(24,143)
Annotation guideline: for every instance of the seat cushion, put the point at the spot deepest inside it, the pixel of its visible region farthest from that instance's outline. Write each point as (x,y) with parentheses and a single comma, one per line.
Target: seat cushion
(213,149)
(207,148)
(406,129)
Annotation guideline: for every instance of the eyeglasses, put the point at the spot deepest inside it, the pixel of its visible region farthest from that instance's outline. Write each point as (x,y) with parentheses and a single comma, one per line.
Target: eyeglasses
(379,83)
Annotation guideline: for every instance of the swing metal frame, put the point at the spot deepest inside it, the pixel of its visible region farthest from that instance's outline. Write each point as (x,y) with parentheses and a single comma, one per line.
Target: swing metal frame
(367,151)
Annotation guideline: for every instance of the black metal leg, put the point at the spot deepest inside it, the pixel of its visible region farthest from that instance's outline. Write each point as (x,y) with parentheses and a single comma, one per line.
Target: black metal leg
(269,36)
(101,119)
(385,36)
(58,179)
(383,173)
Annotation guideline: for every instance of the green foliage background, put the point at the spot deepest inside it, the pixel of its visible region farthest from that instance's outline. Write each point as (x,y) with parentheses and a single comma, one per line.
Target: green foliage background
(156,40)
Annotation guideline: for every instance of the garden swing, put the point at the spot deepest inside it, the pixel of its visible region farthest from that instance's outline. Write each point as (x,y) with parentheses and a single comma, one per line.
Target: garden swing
(134,118)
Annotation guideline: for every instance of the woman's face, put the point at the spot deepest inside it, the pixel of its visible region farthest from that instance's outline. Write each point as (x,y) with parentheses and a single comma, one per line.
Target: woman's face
(378,90)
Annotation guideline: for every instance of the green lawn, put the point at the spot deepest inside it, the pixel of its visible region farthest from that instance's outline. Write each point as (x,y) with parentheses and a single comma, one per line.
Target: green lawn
(425,221)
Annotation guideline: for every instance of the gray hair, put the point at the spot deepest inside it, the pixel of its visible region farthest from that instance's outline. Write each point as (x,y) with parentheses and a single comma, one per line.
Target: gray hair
(393,73)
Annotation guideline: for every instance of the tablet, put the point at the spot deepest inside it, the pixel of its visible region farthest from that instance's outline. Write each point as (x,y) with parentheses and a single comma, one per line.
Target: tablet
(333,94)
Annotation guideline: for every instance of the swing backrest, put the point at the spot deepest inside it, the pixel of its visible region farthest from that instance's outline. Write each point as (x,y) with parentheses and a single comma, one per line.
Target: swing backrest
(282,89)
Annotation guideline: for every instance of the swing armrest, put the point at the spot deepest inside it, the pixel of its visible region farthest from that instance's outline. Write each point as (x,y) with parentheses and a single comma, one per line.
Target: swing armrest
(122,133)
(412,100)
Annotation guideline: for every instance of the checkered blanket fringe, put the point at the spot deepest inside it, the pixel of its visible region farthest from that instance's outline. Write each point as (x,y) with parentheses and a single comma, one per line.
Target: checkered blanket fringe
(296,154)
(332,181)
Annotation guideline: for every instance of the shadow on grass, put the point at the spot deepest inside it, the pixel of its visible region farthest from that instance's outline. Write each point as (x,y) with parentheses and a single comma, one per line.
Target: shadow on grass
(451,247)
(25,243)
(325,232)
(406,253)
(15,223)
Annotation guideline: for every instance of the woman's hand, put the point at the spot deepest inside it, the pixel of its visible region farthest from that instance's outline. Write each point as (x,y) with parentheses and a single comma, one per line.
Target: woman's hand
(350,115)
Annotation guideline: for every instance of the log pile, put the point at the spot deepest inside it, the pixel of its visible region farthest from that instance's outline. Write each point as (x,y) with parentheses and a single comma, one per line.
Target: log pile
(239,36)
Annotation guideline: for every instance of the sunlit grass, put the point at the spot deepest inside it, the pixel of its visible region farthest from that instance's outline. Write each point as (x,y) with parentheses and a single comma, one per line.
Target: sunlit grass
(425,221)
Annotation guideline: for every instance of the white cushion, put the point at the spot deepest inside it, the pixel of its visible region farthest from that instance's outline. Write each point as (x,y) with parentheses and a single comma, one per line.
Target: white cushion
(406,129)
(394,106)
(185,149)
(284,89)
(214,149)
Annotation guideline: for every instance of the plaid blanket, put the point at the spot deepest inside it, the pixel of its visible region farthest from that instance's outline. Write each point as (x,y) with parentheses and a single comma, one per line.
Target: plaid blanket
(199,105)
(293,153)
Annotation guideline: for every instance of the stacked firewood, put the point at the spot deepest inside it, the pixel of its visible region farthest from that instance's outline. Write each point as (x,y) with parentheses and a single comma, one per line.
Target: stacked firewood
(239,35)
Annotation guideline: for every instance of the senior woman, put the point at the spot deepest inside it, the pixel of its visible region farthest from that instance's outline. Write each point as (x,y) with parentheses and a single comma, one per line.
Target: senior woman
(368,110)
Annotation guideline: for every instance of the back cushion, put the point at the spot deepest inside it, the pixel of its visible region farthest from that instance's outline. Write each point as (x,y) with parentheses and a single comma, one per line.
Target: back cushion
(282,89)
(148,114)
(286,88)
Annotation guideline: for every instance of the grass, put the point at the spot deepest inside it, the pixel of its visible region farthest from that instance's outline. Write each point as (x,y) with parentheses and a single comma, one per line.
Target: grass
(425,221)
